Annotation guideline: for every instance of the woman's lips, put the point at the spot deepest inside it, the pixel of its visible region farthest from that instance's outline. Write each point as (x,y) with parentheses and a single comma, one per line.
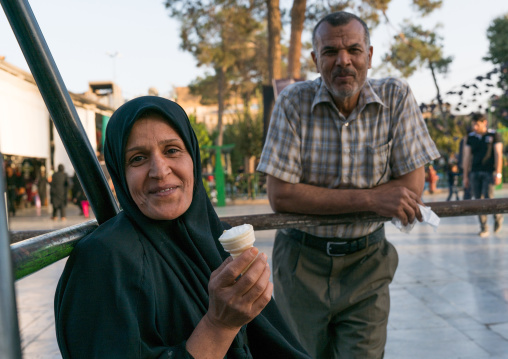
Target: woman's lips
(163,191)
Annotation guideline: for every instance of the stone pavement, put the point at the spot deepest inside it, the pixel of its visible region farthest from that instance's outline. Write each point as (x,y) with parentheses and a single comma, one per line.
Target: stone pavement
(449,295)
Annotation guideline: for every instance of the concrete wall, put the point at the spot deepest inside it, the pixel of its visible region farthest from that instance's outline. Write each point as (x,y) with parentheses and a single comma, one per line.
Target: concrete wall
(25,121)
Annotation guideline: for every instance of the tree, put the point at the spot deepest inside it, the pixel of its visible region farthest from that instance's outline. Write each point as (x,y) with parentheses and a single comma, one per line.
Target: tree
(217,33)
(498,55)
(274,26)
(415,47)
(371,11)
(202,136)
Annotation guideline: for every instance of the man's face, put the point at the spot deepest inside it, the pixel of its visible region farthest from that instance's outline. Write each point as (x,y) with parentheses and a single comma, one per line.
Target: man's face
(342,58)
(480,127)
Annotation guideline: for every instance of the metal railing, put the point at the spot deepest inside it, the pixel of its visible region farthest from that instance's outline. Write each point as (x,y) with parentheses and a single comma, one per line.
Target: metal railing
(35,253)
(35,250)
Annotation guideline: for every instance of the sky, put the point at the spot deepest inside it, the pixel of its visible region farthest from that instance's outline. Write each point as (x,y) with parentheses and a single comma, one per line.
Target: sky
(136,44)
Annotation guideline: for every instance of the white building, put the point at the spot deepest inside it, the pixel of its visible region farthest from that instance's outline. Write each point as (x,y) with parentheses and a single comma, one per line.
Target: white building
(28,138)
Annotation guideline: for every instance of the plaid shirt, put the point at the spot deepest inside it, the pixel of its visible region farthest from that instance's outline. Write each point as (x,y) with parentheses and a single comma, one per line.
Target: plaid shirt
(310,141)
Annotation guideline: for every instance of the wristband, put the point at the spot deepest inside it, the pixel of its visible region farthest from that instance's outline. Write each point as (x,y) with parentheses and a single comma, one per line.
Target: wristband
(499,175)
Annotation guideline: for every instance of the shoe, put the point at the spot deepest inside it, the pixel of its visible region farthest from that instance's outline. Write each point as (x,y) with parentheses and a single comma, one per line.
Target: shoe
(484,233)
(63,219)
(497,226)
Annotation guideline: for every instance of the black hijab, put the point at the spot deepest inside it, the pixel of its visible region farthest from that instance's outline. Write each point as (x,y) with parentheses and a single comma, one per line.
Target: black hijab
(195,232)
(189,244)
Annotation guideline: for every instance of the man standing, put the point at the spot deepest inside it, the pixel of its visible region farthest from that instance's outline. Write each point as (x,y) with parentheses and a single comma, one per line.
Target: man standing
(342,143)
(12,190)
(486,150)
(59,192)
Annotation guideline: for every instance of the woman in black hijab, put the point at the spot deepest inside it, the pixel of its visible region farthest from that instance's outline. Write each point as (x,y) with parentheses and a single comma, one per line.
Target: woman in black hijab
(154,282)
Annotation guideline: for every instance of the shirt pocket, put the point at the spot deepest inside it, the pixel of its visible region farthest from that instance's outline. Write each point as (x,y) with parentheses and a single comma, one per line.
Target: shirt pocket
(378,164)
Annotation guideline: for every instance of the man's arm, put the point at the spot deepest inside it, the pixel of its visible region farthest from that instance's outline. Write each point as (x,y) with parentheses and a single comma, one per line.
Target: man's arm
(498,161)
(397,198)
(466,163)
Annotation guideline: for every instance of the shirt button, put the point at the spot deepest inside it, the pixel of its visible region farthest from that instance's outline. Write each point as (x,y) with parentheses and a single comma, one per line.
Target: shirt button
(346,124)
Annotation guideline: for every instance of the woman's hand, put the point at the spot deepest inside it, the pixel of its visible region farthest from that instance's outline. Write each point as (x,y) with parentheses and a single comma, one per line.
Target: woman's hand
(235,300)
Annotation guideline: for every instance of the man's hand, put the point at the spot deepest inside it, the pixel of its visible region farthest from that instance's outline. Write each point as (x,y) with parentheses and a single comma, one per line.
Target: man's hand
(396,201)
(466,182)
(397,198)
(498,180)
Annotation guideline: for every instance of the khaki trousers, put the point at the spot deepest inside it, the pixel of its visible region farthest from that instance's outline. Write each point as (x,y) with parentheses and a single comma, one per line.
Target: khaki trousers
(337,306)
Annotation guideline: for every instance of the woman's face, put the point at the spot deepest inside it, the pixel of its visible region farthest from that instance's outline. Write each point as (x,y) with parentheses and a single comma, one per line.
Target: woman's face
(158,169)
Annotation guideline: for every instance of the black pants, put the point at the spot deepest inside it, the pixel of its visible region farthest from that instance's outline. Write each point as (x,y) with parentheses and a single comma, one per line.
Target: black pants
(59,208)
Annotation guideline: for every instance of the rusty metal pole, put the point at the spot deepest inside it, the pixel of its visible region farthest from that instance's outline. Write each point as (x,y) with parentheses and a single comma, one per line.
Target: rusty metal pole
(60,107)
(33,254)
(10,344)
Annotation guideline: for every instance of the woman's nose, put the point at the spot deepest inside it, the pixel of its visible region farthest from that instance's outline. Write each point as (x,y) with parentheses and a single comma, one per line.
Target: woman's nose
(159,167)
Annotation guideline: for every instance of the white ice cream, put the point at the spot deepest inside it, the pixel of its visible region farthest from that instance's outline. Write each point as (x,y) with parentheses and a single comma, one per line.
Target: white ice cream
(238,239)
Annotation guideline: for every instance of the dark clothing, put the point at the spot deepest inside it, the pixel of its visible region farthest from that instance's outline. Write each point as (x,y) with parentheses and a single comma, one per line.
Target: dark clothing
(453,185)
(59,188)
(42,185)
(77,193)
(12,193)
(467,191)
(482,169)
(137,287)
(359,328)
(482,149)
(482,184)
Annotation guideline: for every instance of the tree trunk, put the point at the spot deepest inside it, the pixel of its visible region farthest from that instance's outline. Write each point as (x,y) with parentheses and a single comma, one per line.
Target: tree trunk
(295,41)
(220,99)
(439,99)
(274,30)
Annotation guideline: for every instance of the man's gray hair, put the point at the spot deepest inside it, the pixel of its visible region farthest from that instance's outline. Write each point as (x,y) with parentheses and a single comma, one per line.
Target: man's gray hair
(340,18)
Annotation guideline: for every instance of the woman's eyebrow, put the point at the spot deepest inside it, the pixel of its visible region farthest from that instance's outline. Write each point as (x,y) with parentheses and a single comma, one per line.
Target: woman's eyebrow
(160,143)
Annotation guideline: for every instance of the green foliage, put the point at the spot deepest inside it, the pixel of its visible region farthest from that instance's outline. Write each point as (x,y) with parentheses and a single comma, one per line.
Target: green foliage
(425,7)
(498,54)
(498,41)
(206,87)
(416,47)
(371,11)
(503,130)
(246,133)
(202,136)
(447,135)
(220,34)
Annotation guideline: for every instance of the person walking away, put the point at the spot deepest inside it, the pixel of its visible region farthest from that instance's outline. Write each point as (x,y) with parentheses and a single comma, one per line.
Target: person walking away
(12,190)
(342,143)
(483,160)
(79,197)
(432,179)
(42,184)
(460,161)
(453,181)
(58,192)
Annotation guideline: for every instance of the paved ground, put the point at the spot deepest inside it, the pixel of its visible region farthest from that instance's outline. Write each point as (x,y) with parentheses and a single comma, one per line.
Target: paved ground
(449,295)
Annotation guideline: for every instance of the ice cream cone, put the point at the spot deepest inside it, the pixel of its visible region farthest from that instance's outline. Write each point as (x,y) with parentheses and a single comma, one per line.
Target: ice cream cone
(237,240)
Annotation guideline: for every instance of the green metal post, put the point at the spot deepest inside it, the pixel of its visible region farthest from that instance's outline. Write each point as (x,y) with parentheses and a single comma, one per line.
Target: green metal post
(220,185)
(105,120)
(10,343)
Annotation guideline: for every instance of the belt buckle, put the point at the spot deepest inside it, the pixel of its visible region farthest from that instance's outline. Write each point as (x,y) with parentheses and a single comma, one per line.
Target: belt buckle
(328,246)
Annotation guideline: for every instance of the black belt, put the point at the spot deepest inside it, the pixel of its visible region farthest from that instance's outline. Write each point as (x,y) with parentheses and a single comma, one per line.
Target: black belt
(336,247)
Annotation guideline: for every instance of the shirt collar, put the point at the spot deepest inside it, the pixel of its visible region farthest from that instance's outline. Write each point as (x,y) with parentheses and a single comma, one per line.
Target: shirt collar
(367,95)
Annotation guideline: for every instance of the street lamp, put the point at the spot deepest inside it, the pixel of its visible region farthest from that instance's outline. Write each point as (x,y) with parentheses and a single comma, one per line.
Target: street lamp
(114,56)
